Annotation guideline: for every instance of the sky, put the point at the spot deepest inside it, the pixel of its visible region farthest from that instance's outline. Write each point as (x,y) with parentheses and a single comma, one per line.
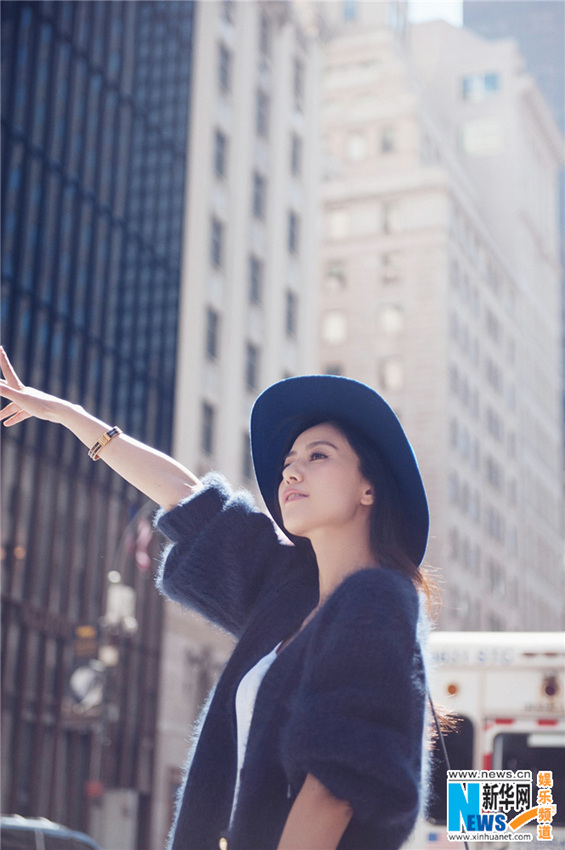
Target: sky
(448,10)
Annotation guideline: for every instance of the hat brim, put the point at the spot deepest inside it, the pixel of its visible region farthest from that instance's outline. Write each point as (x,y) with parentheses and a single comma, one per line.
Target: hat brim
(332,397)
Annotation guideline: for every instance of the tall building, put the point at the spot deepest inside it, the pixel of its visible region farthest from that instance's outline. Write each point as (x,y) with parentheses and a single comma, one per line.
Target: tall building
(440,278)
(538,26)
(95,105)
(249,286)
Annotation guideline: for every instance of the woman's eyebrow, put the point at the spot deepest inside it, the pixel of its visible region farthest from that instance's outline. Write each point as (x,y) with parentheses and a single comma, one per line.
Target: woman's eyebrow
(311,446)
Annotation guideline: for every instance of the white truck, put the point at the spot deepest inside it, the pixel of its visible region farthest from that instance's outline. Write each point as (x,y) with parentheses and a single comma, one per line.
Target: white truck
(508,689)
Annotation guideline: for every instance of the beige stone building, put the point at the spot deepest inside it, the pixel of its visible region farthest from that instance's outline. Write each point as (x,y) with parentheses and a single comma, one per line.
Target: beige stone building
(440,288)
(248,294)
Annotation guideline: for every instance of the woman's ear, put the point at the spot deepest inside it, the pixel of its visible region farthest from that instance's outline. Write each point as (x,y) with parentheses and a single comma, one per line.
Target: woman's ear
(368,497)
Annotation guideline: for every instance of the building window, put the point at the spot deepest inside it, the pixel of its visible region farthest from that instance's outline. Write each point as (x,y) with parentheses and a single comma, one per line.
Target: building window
(388,140)
(495,623)
(482,137)
(252,366)
(493,326)
(494,473)
(477,87)
(262,114)
(390,319)
(475,506)
(217,243)
(298,84)
(293,232)
(391,373)
(513,492)
(224,68)
(291,313)
(496,578)
(256,274)
(212,333)
(389,215)
(220,153)
(453,487)
(512,444)
(390,268)
(494,376)
(495,524)
(495,426)
(259,195)
(265,36)
(338,223)
(356,146)
(228,11)
(334,327)
(349,10)
(453,433)
(208,427)
(247,463)
(296,155)
(335,279)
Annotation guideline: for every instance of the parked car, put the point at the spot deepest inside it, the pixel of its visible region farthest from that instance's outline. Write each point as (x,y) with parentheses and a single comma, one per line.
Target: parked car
(19,833)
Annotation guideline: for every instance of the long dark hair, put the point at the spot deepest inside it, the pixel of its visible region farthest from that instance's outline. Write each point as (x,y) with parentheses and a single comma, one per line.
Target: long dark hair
(387,520)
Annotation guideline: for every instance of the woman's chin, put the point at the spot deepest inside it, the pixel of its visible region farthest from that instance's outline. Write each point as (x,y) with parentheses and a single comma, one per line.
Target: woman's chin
(296,529)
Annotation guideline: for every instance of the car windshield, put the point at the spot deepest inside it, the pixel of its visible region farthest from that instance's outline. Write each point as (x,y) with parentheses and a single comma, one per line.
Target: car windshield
(541,751)
(18,839)
(34,837)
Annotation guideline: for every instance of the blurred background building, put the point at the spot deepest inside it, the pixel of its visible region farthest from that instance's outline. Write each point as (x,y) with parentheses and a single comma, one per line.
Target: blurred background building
(248,304)
(538,28)
(441,287)
(200,199)
(540,34)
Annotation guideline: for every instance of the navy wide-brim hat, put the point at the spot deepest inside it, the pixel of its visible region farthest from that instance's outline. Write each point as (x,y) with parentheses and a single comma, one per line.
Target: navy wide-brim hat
(331,397)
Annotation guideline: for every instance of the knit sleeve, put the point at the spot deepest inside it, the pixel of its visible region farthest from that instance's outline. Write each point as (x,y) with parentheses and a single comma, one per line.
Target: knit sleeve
(224,553)
(356,722)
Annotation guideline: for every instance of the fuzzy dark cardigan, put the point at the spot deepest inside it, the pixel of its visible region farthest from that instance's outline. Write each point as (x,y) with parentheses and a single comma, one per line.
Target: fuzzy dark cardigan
(344,701)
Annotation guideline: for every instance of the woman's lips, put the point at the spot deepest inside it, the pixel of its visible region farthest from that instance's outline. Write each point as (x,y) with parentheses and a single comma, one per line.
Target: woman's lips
(293,496)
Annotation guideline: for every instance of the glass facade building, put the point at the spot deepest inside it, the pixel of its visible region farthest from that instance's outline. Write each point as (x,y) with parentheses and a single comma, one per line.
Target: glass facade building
(95,114)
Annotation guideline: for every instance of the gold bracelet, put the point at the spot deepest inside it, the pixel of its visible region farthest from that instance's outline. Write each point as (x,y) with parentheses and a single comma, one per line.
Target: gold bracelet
(102,441)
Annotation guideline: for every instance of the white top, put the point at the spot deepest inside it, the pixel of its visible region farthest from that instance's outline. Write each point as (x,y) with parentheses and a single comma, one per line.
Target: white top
(245,698)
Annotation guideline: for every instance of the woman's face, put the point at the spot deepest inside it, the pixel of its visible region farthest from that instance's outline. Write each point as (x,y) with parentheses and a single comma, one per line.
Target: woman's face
(322,486)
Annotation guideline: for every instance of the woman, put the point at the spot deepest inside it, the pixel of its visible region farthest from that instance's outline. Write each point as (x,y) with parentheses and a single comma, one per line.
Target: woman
(313,737)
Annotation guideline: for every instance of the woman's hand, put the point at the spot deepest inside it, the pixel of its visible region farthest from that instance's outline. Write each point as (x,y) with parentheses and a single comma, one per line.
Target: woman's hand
(24,401)
(158,476)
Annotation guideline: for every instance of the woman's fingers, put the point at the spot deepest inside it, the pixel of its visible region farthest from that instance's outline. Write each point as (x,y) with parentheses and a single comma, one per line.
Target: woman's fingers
(9,371)
(15,418)
(12,413)
(9,410)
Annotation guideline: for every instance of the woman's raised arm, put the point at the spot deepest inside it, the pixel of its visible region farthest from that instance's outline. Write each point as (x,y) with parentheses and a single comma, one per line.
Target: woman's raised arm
(158,476)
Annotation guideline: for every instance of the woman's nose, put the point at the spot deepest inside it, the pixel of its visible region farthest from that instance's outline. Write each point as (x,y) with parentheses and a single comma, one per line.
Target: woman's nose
(292,472)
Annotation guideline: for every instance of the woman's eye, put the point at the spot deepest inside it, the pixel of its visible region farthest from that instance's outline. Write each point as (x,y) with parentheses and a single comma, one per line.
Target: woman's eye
(317,455)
